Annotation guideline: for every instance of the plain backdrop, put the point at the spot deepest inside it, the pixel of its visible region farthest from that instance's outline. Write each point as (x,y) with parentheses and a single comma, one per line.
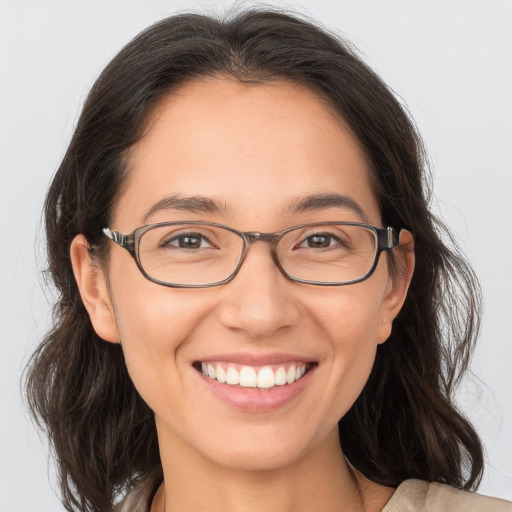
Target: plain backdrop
(450,61)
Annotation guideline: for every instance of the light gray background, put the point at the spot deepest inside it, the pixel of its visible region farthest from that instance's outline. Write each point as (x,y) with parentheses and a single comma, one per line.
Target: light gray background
(449,60)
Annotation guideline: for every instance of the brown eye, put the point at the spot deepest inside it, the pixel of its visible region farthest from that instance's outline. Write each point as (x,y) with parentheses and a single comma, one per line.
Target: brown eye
(187,241)
(320,241)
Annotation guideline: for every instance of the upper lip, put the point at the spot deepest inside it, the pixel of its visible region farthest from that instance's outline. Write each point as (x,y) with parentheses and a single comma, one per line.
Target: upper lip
(257,359)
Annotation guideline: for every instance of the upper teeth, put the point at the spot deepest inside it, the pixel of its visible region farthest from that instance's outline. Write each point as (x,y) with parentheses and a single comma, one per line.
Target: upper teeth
(250,377)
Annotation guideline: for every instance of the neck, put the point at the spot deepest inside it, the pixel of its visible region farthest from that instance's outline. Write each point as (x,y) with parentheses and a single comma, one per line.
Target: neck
(320,480)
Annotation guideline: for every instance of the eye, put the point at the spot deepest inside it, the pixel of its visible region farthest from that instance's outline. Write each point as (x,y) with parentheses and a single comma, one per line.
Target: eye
(320,241)
(187,241)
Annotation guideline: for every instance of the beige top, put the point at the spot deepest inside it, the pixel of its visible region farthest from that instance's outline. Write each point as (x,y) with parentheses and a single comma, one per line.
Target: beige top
(420,496)
(410,496)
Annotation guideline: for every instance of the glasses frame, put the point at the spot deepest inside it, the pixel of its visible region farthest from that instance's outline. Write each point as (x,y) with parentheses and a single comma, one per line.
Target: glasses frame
(387,239)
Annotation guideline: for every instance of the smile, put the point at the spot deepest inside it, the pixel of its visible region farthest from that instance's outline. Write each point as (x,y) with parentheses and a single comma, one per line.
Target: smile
(265,377)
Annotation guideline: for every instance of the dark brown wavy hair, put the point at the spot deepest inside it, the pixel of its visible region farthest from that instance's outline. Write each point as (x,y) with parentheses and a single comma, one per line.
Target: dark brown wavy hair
(404,424)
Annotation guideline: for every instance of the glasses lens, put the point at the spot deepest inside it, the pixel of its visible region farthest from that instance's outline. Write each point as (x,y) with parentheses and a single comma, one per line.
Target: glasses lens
(328,253)
(189,254)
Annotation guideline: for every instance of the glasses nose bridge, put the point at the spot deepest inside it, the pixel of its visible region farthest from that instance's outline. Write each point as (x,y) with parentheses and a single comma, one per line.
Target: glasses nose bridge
(257,236)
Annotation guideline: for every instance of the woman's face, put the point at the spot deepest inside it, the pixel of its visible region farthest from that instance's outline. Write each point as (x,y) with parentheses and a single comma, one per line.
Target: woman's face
(251,154)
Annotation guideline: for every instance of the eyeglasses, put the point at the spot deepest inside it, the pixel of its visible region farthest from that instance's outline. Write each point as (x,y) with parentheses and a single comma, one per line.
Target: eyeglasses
(199,254)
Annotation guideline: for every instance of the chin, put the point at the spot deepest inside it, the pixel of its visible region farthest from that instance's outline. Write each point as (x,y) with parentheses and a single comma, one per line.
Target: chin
(258,459)
(259,449)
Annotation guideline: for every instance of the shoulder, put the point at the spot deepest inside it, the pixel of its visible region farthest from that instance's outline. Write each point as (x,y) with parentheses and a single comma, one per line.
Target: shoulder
(420,496)
(139,498)
(141,490)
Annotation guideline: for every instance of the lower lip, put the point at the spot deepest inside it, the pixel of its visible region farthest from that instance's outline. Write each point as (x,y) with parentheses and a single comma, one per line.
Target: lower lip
(255,399)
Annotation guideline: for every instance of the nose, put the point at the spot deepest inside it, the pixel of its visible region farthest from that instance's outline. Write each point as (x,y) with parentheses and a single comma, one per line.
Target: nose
(259,301)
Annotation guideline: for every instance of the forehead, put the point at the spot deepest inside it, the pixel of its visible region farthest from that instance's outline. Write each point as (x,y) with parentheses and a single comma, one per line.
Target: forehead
(254,148)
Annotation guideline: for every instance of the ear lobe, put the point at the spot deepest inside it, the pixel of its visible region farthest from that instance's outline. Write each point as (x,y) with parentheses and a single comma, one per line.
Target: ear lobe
(93,289)
(398,285)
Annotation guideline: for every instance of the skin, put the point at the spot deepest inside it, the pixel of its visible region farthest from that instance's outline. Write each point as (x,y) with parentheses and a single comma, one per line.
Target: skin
(254,149)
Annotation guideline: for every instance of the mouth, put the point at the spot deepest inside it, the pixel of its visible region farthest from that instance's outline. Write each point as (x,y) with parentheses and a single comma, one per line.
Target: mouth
(266,377)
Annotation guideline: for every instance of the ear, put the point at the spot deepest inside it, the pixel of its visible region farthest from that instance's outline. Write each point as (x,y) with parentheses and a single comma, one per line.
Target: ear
(398,285)
(92,285)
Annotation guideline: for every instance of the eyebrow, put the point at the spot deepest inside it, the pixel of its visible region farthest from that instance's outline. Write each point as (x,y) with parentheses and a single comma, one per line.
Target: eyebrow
(194,204)
(324,201)
(200,204)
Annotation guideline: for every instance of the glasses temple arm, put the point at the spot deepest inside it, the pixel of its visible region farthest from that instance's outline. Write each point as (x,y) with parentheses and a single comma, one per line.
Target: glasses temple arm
(125,241)
(388,238)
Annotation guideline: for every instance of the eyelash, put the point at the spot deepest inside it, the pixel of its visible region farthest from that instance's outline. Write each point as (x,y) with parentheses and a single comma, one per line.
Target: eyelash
(331,236)
(168,241)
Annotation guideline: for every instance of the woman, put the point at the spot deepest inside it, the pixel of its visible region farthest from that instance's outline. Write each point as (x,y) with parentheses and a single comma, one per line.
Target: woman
(233,231)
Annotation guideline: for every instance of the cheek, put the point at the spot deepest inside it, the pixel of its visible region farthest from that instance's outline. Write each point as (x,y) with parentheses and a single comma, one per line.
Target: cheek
(351,326)
(354,344)
(154,324)
(148,315)
(351,317)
